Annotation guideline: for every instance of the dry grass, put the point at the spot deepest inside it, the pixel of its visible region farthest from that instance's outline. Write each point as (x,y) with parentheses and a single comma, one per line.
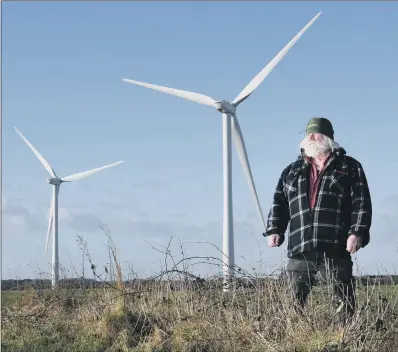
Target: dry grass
(195,315)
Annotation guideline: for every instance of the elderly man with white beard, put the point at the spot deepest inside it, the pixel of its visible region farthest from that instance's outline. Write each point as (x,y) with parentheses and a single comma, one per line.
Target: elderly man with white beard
(324,198)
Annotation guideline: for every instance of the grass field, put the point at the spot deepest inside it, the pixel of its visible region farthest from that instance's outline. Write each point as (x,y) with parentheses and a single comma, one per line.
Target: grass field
(9,297)
(160,315)
(159,318)
(390,291)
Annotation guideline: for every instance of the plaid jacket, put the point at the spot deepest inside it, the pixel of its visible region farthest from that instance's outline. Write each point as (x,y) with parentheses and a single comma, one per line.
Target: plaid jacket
(343,206)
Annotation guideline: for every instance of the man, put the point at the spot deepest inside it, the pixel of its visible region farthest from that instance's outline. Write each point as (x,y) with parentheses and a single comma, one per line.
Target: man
(325,196)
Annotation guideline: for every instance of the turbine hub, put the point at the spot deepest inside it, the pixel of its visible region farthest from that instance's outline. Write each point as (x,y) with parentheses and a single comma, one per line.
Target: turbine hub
(225,107)
(54,181)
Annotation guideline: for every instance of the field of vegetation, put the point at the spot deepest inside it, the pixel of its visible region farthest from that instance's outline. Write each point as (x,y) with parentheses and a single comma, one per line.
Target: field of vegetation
(177,311)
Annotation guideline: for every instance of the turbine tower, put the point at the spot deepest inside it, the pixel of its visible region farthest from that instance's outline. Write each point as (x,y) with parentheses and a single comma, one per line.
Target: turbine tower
(55,181)
(231,125)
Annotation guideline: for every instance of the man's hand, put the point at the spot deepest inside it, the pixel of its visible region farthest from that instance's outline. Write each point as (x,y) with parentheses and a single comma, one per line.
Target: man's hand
(273,240)
(353,244)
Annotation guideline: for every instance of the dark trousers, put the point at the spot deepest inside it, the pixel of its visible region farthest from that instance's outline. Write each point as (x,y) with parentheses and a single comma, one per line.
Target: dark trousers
(303,268)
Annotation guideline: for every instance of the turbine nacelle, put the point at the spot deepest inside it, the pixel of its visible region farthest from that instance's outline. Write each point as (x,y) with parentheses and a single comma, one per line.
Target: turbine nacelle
(225,106)
(56,181)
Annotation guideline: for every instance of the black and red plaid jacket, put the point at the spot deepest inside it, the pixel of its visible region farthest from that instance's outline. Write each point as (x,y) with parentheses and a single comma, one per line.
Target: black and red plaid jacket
(343,206)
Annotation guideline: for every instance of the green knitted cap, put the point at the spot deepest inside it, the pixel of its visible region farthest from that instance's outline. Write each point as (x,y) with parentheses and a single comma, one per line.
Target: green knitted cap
(320,125)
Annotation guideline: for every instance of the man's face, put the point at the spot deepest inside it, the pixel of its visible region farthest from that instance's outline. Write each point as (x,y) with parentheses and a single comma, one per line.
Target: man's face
(315,145)
(315,137)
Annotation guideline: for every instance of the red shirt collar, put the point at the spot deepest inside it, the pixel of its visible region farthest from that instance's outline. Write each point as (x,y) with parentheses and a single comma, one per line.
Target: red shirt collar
(311,160)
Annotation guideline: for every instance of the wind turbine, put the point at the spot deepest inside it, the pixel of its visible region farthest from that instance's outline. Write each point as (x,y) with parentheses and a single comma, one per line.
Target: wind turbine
(55,181)
(231,124)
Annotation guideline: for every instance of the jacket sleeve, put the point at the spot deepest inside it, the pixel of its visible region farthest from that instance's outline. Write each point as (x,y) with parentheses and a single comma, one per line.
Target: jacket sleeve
(278,216)
(361,212)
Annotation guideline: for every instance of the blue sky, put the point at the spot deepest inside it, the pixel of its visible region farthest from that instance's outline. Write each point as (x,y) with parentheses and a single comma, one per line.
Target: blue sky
(62,65)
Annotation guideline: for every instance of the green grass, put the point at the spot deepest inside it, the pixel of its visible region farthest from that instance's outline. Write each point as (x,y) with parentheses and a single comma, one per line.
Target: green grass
(388,291)
(10,297)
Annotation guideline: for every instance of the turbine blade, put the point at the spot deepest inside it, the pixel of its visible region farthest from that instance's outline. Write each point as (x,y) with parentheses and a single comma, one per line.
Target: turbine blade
(195,97)
(38,155)
(84,174)
(256,81)
(50,221)
(242,154)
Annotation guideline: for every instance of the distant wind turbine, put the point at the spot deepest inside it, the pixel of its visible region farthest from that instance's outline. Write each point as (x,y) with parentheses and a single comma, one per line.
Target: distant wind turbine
(55,181)
(230,124)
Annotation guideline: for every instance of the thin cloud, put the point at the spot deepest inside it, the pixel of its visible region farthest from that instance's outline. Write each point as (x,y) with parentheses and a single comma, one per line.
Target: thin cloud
(18,220)
(84,222)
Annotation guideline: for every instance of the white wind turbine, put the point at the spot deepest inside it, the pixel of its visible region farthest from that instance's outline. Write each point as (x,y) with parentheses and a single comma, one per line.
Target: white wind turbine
(55,181)
(228,111)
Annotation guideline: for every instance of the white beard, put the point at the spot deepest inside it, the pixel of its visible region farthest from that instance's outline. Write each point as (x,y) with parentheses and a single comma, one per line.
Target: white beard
(315,149)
